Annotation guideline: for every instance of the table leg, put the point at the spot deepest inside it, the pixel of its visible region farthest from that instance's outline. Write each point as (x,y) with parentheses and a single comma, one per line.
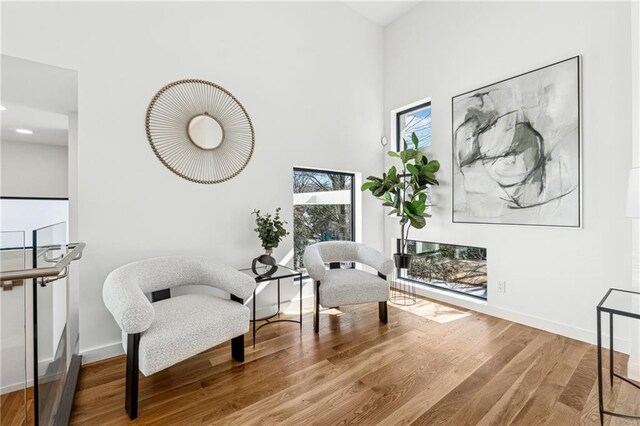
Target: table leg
(278,297)
(254,319)
(599,337)
(611,348)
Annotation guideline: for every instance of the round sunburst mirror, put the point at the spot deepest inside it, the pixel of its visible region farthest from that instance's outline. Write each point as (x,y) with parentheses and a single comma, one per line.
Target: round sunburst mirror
(200,131)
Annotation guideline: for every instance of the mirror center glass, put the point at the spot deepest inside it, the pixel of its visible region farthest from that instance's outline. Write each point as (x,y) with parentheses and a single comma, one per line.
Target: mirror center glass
(205,131)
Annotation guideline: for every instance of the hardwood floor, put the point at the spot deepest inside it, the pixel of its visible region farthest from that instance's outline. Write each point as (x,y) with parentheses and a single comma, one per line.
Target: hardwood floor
(15,407)
(434,368)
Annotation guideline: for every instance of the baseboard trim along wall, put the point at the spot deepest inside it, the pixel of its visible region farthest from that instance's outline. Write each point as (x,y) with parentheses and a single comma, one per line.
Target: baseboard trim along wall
(15,387)
(100,353)
(20,385)
(114,349)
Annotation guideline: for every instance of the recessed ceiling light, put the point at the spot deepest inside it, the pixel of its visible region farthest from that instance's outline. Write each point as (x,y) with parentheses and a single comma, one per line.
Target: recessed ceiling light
(24,131)
(2,108)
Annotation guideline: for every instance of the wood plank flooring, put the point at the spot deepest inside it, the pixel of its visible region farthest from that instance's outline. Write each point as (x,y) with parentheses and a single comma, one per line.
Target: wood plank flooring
(420,369)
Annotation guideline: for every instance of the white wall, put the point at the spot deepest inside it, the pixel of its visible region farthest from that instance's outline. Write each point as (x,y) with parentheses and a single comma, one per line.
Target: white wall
(555,277)
(33,170)
(309,75)
(634,360)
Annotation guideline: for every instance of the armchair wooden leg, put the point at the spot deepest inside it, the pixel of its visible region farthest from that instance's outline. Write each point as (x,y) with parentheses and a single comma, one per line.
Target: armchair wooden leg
(131,390)
(237,348)
(382,311)
(237,343)
(316,308)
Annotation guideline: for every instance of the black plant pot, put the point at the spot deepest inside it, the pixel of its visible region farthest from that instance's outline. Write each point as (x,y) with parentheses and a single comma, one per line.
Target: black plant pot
(402,260)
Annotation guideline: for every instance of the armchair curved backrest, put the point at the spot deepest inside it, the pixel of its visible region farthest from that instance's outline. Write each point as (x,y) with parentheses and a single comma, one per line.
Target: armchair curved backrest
(316,255)
(161,273)
(124,288)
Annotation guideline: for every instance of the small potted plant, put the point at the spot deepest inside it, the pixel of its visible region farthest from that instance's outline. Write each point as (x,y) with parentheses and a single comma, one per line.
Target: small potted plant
(270,230)
(405,193)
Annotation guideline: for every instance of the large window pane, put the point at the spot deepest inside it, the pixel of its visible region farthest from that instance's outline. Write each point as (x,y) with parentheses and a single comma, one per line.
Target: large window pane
(462,269)
(414,120)
(322,208)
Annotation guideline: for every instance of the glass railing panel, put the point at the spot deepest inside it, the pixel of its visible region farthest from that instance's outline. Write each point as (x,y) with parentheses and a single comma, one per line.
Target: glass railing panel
(13,342)
(50,321)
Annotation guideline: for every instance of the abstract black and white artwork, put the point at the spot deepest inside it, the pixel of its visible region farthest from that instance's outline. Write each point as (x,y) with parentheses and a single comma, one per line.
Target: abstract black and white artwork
(516,149)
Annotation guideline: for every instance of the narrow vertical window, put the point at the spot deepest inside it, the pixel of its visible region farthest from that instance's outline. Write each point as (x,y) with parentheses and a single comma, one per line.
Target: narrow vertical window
(416,120)
(323,208)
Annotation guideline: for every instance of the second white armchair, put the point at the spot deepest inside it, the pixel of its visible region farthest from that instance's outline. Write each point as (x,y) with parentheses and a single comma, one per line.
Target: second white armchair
(336,286)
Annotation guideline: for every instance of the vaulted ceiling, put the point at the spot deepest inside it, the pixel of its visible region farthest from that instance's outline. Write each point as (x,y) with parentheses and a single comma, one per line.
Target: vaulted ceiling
(382,12)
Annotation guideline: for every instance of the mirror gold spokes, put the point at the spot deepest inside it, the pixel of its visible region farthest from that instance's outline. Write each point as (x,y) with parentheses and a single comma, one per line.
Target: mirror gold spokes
(205,131)
(199,131)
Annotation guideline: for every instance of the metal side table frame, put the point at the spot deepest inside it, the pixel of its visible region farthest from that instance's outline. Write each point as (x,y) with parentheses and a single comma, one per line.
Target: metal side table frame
(281,273)
(609,306)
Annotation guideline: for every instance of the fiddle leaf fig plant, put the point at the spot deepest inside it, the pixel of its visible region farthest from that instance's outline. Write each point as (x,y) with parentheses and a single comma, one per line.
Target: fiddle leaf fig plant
(405,192)
(270,229)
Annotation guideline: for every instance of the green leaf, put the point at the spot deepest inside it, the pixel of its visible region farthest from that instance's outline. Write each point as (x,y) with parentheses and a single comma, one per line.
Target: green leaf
(378,192)
(406,207)
(368,185)
(393,154)
(415,140)
(431,167)
(430,178)
(397,200)
(413,169)
(418,207)
(418,222)
(392,172)
(408,155)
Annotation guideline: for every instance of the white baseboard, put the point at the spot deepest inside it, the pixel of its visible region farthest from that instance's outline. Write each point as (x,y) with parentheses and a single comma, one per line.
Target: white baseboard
(15,387)
(99,353)
(584,335)
(12,387)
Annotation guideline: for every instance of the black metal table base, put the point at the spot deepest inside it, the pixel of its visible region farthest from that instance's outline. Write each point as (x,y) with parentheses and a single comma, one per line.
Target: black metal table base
(599,310)
(611,413)
(268,319)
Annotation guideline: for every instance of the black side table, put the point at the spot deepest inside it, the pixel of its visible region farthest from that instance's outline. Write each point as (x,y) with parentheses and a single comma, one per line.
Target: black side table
(280,273)
(625,303)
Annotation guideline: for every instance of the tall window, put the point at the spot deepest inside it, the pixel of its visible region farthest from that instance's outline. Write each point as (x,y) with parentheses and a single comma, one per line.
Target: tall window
(323,210)
(414,119)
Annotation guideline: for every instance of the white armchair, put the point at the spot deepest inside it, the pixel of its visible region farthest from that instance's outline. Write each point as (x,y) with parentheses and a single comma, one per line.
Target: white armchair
(336,287)
(171,329)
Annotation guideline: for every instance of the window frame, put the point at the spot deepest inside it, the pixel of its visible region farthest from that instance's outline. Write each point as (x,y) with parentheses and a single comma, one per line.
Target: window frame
(352,198)
(437,287)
